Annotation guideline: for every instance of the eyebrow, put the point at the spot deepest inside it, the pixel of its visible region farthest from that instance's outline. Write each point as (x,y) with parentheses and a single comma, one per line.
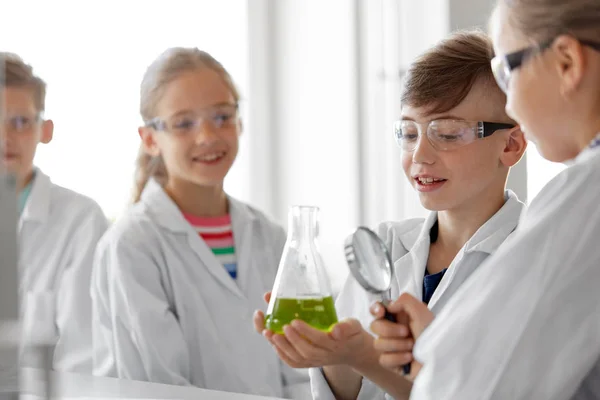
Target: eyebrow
(187,111)
(443,116)
(182,112)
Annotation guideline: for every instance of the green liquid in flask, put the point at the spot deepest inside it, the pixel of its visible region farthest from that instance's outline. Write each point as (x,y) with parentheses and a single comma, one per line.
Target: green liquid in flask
(318,313)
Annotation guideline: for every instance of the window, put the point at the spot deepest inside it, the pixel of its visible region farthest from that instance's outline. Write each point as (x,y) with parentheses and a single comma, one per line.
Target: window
(93,56)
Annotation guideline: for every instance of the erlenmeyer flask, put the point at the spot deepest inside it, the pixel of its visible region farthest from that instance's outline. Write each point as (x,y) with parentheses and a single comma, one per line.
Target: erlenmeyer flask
(302,290)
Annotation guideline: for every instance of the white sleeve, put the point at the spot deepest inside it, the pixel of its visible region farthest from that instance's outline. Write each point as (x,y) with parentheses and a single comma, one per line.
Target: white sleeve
(526,326)
(296,384)
(73,351)
(353,302)
(135,331)
(321,390)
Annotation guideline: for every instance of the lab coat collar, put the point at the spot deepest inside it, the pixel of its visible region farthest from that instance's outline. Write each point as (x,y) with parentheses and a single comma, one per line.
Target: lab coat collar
(417,242)
(495,230)
(485,240)
(588,152)
(595,141)
(419,233)
(163,208)
(37,207)
(167,214)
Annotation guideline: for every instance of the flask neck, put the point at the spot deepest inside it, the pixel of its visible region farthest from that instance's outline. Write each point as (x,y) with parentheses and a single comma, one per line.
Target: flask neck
(303,223)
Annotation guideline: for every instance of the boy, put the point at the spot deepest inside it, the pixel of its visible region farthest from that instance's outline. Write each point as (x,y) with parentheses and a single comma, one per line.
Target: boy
(458,146)
(57,230)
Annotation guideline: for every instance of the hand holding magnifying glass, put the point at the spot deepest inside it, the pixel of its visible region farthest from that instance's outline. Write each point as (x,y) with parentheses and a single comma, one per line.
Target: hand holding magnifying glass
(371,265)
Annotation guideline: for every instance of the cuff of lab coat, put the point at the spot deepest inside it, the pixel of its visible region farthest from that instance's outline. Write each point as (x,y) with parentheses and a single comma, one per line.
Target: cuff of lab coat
(370,391)
(298,391)
(321,390)
(319,386)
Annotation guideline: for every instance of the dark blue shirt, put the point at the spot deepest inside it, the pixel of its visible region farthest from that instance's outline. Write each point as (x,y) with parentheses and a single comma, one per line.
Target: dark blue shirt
(431,282)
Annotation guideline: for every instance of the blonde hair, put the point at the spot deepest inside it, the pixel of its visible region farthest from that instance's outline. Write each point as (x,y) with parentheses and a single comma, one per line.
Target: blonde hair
(545,19)
(171,64)
(16,73)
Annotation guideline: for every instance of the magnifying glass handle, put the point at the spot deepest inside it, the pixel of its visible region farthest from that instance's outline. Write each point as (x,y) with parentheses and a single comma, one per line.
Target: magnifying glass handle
(406,369)
(392,318)
(389,316)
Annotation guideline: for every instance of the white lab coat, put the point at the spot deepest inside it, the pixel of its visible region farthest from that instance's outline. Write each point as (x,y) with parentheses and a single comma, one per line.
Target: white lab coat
(527,326)
(408,242)
(58,232)
(167,311)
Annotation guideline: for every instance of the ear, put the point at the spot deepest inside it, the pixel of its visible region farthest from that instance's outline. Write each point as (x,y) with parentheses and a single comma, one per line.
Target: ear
(515,146)
(148,140)
(240,127)
(47,131)
(570,64)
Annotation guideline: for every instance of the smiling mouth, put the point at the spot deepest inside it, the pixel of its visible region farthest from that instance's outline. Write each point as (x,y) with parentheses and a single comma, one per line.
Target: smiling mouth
(429,181)
(210,157)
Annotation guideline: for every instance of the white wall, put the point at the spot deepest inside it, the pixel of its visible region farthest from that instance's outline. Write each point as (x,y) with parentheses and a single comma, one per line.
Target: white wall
(315,124)
(306,149)
(393,34)
(470,13)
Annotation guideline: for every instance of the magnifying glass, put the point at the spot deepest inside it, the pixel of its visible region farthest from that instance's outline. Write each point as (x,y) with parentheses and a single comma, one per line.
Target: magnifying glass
(371,265)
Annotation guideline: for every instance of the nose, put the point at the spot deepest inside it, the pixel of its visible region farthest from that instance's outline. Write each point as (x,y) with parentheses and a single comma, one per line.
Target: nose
(424,153)
(206,133)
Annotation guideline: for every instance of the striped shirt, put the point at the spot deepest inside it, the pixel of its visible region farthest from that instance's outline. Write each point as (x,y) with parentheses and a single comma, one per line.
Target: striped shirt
(217,233)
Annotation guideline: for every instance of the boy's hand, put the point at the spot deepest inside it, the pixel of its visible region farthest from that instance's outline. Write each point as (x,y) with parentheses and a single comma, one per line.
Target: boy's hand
(394,340)
(302,346)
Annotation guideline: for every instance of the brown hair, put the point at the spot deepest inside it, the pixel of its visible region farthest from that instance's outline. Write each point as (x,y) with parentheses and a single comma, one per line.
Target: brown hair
(16,73)
(443,76)
(545,19)
(166,68)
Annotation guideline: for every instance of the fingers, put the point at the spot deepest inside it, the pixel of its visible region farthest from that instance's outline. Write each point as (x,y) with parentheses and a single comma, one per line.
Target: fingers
(377,310)
(405,302)
(415,368)
(267,297)
(394,361)
(393,345)
(285,347)
(310,351)
(385,328)
(259,321)
(268,335)
(401,318)
(292,363)
(419,316)
(310,334)
(346,329)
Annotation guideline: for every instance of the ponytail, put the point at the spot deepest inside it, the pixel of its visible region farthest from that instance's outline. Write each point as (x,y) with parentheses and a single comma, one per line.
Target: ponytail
(146,167)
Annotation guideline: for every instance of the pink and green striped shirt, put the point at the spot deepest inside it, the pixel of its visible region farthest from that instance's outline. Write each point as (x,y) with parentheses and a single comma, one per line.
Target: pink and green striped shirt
(218,235)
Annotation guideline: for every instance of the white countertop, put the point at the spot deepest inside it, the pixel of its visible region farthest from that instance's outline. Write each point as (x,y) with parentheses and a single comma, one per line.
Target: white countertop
(72,386)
